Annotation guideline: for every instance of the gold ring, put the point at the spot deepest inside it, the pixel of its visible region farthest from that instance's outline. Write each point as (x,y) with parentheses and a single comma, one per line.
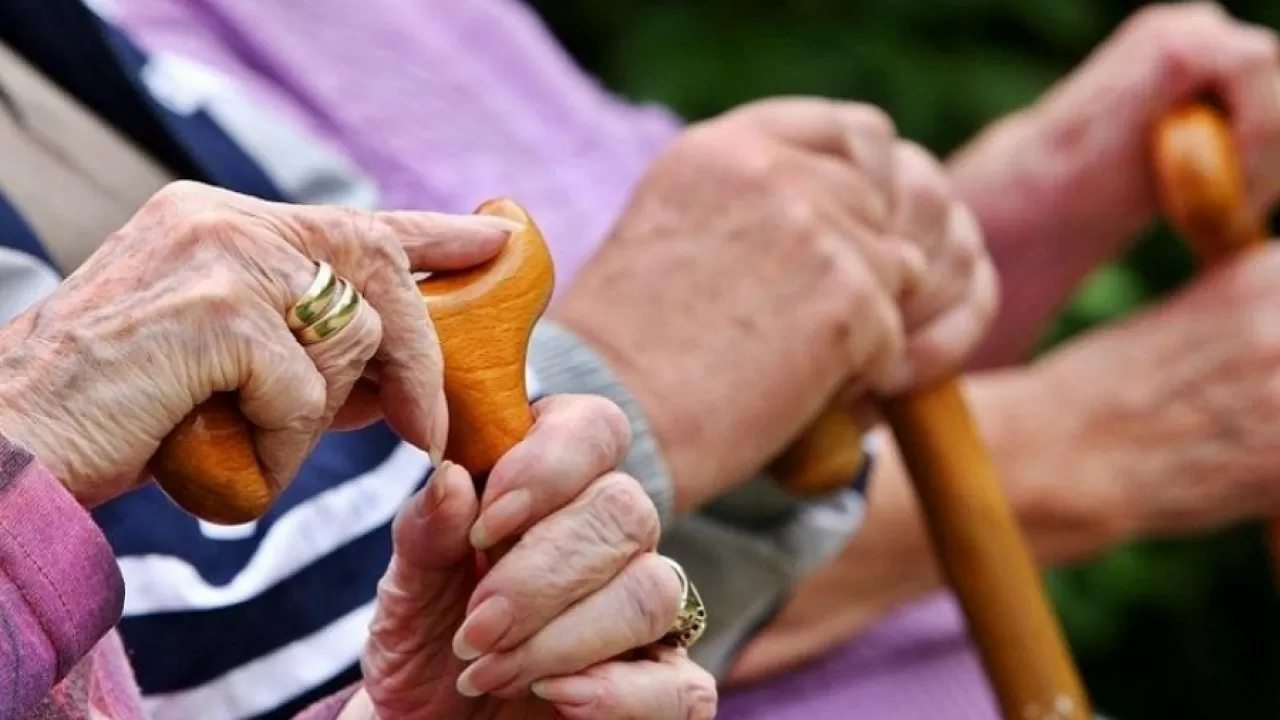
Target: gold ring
(335,318)
(315,300)
(691,621)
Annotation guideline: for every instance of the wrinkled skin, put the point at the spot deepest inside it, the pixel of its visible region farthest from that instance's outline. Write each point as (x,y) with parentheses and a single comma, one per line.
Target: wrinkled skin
(189,298)
(579,589)
(794,247)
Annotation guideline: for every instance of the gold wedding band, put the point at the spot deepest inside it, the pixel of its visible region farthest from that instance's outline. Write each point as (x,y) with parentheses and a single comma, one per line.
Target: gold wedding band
(691,620)
(334,318)
(315,300)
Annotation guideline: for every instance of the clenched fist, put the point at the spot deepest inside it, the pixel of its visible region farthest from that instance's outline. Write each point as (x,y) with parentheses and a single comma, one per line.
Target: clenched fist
(771,257)
(190,298)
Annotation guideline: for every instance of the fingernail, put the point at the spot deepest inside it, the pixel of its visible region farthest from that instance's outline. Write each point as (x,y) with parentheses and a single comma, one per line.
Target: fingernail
(568,690)
(437,488)
(438,433)
(464,686)
(502,518)
(483,628)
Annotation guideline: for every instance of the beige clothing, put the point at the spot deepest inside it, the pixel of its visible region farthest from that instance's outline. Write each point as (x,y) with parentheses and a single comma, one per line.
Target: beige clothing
(73,178)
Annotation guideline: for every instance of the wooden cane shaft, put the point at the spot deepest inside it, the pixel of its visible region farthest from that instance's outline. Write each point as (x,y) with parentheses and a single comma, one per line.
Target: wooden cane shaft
(984,557)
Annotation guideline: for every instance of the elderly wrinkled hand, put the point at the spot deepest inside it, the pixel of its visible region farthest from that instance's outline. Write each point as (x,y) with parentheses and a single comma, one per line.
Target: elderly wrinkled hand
(1082,154)
(772,256)
(191,297)
(1177,407)
(580,588)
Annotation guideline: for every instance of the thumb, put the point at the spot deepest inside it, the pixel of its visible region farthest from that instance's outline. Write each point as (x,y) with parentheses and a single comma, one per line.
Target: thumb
(433,566)
(408,661)
(430,536)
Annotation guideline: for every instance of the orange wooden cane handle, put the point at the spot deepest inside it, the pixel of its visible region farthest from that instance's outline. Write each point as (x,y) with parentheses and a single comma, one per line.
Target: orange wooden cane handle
(483,317)
(1201,185)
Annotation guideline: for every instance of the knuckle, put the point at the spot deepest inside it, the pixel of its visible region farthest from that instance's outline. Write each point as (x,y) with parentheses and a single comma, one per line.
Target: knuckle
(590,426)
(218,294)
(203,226)
(174,195)
(801,218)
(603,419)
(621,509)
(732,153)
(700,698)
(1161,18)
(873,122)
(653,592)
(924,181)
(377,244)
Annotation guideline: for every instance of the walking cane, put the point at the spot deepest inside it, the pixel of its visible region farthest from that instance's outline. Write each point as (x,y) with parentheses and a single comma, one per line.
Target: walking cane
(483,317)
(1202,190)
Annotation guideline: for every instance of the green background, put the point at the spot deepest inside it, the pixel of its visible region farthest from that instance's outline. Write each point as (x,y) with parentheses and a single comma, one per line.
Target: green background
(1169,630)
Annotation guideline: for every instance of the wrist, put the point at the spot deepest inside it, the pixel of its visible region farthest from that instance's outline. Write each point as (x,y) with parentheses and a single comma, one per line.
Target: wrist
(1064,460)
(31,419)
(1048,220)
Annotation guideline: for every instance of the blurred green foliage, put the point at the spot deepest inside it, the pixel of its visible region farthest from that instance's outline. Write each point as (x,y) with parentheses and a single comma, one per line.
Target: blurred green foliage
(1164,630)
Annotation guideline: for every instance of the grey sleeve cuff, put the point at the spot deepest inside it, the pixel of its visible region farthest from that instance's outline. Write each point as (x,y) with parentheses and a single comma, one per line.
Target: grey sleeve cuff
(746,551)
(563,364)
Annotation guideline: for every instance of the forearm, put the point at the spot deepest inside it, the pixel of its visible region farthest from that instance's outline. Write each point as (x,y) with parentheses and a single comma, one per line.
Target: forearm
(1038,454)
(1026,179)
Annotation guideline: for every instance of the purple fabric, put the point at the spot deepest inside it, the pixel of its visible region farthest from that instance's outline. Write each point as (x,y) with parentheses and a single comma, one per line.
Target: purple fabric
(60,590)
(60,596)
(447,102)
(912,666)
(471,100)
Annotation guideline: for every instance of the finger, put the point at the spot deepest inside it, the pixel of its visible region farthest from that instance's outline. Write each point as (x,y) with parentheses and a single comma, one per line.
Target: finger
(441,241)
(281,393)
(362,408)
(922,198)
(858,133)
(369,253)
(950,270)
(940,348)
(635,609)
(559,561)
(429,534)
(423,594)
(671,687)
(575,439)
(1253,101)
(342,357)
(876,350)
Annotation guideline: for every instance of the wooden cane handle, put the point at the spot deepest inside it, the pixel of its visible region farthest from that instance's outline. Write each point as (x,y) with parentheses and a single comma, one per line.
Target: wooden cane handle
(483,317)
(1201,184)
